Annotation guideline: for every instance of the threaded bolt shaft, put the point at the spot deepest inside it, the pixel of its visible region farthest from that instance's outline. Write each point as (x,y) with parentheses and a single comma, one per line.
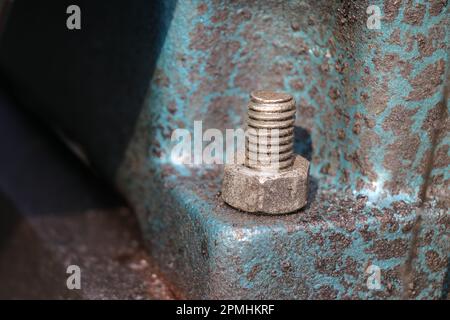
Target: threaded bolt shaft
(269,144)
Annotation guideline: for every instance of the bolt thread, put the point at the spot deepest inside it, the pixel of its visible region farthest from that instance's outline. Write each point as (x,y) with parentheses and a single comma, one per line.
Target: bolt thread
(270,131)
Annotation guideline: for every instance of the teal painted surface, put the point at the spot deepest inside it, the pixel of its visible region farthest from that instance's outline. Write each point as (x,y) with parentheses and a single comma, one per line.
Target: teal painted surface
(372,112)
(362,95)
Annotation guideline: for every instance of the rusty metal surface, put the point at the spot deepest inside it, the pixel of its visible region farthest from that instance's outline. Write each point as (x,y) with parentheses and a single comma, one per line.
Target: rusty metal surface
(372,101)
(379,149)
(322,252)
(373,121)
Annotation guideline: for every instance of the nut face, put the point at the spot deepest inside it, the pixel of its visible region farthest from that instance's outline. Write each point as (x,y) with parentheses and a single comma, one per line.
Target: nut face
(266,192)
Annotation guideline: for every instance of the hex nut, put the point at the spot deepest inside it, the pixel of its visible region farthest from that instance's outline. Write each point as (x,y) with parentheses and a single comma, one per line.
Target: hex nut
(266,192)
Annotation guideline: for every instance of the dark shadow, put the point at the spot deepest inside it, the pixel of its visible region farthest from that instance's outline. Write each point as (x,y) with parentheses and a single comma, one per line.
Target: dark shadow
(303,143)
(9,218)
(90,82)
(40,178)
(313,187)
(40,175)
(303,146)
(446,285)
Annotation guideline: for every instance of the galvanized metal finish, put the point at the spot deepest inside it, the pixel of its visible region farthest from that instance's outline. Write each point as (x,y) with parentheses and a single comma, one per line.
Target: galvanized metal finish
(272,192)
(272,179)
(270,138)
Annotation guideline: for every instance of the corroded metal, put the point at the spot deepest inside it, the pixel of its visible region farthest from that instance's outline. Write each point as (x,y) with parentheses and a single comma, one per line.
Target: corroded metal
(270,192)
(373,121)
(370,103)
(270,134)
(272,179)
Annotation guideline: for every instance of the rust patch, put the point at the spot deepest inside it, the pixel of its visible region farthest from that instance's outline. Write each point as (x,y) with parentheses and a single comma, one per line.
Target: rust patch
(427,82)
(255,270)
(391,61)
(391,279)
(366,234)
(425,45)
(295,26)
(220,16)
(334,93)
(218,111)
(404,148)
(241,16)
(359,184)
(391,9)
(405,68)
(388,249)
(199,38)
(286,266)
(356,128)
(378,99)
(370,123)
(328,266)
(161,79)
(297,84)
(220,59)
(364,96)
(414,14)
(395,37)
(388,221)
(441,158)
(426,239)
(327,293)
(368,138)
(351,267)
(202,8)
(433,119)
(399,120)
(436,6)
(316,238)
(401,208)
(408,227)
(386,63)
(339,241)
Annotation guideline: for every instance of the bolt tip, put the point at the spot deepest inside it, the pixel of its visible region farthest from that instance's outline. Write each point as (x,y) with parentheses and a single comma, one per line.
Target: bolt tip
(268,96)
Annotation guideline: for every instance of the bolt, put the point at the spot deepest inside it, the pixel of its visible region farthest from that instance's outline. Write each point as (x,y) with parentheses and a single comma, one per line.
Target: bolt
(271,179)
(270,138)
